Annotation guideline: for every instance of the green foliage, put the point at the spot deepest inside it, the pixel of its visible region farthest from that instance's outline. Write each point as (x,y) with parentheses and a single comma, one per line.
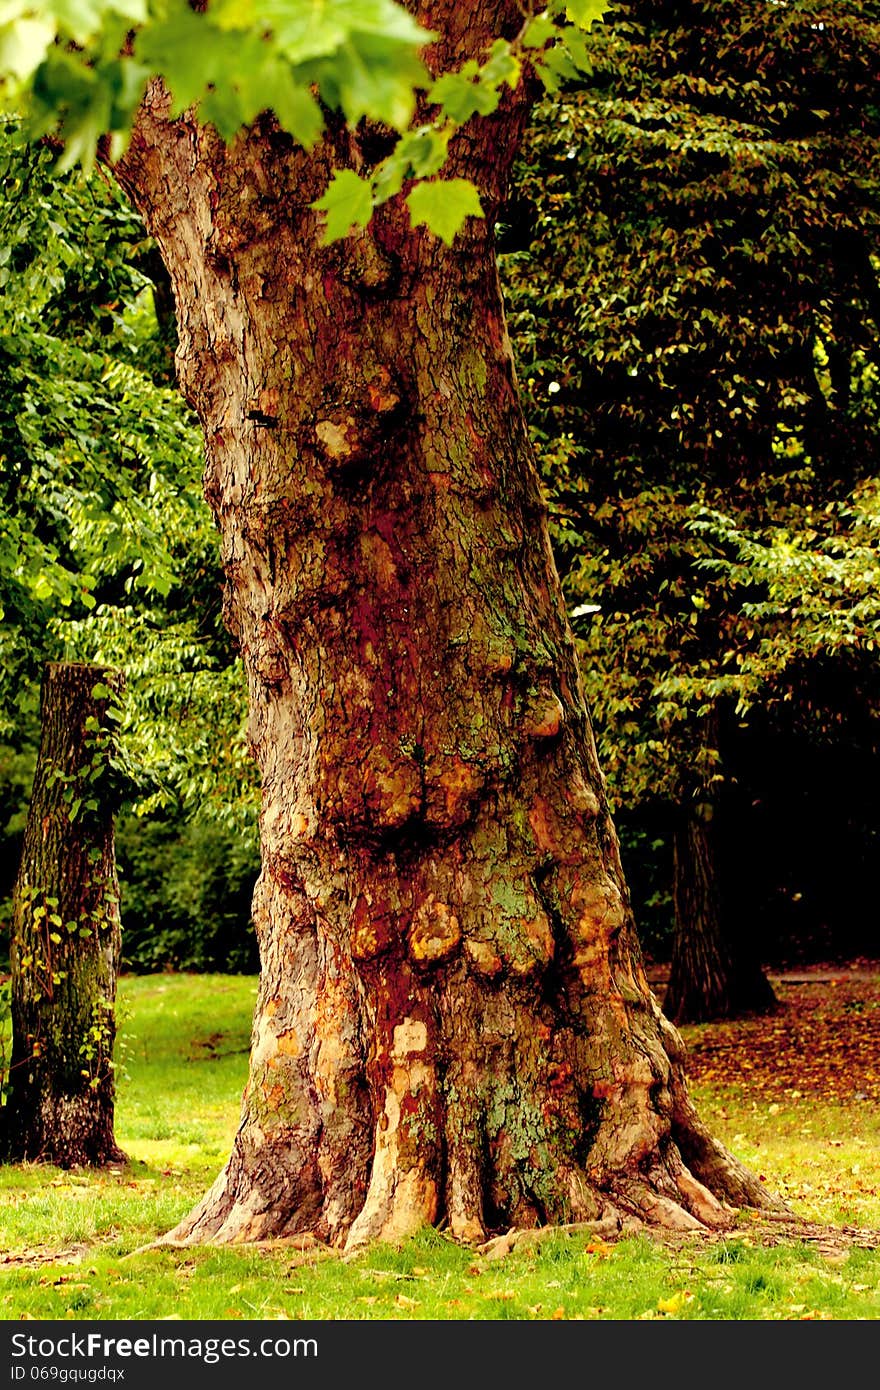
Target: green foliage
(107,552)
(84,410)
(696,319)
(81,68)
(811,592)
(186,890)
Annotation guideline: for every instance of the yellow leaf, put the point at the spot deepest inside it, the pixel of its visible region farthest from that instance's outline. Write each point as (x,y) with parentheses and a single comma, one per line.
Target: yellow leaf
(599,1247)
(670,1305)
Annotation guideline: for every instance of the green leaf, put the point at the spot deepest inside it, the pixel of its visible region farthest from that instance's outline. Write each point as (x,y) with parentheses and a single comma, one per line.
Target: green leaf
(78,18)
(66,87)
(100,691)
(348,203)
(389,176)
(460,97)
(443,205)
(193,54)
(135,10)
(274,88)
(424,150)
(222,108)
(576,45)
(539,30)
(233,14)
(320,28)
(23,45)
(555,66)
(501,66)
(583,13)
(419,154)
(377,82)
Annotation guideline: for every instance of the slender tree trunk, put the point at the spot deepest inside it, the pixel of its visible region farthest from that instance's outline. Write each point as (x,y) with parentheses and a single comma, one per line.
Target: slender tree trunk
(453,1021)
(714,973)
(65,943)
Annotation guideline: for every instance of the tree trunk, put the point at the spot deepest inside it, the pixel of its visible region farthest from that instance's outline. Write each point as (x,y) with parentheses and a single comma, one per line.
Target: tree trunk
(453,1021)
(64,951)
(714,973)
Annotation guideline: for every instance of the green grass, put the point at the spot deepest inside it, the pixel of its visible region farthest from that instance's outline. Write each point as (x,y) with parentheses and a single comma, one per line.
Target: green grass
(822,1158)
(185,1052)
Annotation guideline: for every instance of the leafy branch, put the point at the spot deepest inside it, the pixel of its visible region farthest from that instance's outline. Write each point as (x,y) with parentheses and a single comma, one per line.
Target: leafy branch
(81,67)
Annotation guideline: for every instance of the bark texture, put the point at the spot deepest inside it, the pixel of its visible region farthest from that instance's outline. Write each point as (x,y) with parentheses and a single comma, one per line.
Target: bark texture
(65,945)
(453,1022)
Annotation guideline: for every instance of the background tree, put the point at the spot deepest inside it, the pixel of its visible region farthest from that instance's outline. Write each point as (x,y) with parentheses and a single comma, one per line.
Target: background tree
(65,938)
(695,312)
(107,554)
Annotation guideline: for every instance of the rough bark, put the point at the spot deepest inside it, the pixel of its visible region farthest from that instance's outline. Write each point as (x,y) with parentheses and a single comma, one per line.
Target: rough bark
(453,1021)
(65,943)
(713,973)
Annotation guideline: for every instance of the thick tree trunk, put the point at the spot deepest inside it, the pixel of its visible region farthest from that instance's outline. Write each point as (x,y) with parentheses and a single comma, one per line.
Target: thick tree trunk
(64,951)
(714,973)
(453,1021)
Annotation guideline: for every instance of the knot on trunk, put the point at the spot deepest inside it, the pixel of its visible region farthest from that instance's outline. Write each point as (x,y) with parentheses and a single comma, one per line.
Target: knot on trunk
(543,715)
(435,932)
(349,433)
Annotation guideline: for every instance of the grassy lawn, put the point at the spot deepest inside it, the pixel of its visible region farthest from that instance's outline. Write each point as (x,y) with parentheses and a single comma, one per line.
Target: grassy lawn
(69,1237)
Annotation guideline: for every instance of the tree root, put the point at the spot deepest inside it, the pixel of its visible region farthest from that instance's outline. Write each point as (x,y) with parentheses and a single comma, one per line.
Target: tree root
(768,1228)
(609,1228)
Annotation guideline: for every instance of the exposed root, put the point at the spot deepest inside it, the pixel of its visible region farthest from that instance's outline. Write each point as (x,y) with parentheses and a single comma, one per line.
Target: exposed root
(709,1161)
(397,1205)
(610,1228)
(692,1184)
(706,1159)
(493,1145)
(766,1228)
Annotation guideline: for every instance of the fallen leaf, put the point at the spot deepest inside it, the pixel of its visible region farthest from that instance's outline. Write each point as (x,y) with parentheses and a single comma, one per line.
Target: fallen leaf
(670,1305)
(599,1247)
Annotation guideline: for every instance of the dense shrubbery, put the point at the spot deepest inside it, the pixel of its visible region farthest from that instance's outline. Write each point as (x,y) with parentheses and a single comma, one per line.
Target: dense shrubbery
(185,884)
(185,895)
